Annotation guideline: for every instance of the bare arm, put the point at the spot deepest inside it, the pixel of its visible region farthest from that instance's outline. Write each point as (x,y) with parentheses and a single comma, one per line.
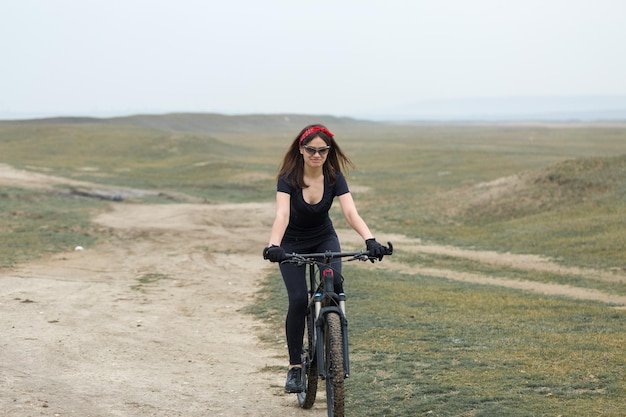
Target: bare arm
(352,216)
(283,205)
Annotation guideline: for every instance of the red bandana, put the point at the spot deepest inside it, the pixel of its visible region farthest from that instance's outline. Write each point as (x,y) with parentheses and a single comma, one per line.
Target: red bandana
(312,130)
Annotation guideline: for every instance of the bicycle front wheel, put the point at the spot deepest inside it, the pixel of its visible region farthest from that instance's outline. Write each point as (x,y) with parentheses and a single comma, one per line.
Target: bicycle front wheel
(334,366)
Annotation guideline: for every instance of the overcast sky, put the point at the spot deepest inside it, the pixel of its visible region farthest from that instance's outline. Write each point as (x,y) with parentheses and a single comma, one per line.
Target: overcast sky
(83,57)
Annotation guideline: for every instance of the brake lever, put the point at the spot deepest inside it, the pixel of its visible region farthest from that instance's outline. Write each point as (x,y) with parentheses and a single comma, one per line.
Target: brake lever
(296,260)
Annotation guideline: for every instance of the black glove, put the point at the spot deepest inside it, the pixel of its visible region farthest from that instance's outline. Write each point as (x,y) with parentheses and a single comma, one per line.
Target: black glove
(274,253)
(375,249)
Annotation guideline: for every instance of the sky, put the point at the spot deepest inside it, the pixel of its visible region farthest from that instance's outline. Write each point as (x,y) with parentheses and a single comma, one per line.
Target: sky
(338,57)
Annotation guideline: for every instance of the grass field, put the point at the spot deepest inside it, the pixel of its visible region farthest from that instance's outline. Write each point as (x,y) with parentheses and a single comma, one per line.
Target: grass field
(425,346)
(420,345)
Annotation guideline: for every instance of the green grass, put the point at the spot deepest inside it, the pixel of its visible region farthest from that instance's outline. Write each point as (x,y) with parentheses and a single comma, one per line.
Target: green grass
(34,223)
(453,349)
(568,202)
(572,211)
(189,163)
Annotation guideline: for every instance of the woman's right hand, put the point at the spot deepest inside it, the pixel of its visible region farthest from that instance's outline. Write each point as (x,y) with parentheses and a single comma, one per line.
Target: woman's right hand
(274,253)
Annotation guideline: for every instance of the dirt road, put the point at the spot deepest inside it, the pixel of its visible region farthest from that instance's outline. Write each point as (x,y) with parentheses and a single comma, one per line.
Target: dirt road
(151,323)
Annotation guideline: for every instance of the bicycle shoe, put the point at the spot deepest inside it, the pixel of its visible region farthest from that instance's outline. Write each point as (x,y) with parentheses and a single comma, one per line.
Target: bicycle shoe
(294,382)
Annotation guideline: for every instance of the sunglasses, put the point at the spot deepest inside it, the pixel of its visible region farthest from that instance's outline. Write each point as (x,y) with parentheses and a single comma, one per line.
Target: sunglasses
(312,151)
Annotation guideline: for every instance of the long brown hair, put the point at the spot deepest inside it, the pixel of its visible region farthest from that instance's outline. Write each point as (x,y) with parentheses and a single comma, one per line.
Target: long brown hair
(292,167)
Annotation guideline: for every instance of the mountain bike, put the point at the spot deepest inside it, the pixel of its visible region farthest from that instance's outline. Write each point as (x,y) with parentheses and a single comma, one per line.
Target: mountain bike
(325,347)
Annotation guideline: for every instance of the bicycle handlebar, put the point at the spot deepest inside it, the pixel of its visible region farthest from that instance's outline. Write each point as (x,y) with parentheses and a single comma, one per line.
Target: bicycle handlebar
(327,256)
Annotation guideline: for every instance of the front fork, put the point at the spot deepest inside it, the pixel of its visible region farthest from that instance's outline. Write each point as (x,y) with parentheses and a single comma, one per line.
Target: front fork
(320,320)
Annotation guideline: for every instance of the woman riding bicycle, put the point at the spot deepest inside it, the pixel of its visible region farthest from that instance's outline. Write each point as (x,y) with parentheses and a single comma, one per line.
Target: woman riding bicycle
(309,179)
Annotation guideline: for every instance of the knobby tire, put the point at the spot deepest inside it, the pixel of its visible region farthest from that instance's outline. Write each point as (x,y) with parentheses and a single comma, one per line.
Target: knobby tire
(334,363)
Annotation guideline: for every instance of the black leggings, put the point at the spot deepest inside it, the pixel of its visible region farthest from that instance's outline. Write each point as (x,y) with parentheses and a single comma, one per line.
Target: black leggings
(296,284)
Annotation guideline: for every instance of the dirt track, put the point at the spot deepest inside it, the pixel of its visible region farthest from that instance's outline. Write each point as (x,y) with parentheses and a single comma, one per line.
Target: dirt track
(151,323)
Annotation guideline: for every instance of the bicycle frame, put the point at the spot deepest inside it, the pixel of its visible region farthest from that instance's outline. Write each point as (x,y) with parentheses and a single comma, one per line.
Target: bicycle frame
(326,301)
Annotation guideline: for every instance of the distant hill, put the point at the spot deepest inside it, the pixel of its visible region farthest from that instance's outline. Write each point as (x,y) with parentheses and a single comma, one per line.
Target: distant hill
(508,109)
(535,108)
(214,123)
(207,122)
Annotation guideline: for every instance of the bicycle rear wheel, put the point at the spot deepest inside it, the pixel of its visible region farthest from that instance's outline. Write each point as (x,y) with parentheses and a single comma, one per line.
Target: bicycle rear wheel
(334,366)
(306,399)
